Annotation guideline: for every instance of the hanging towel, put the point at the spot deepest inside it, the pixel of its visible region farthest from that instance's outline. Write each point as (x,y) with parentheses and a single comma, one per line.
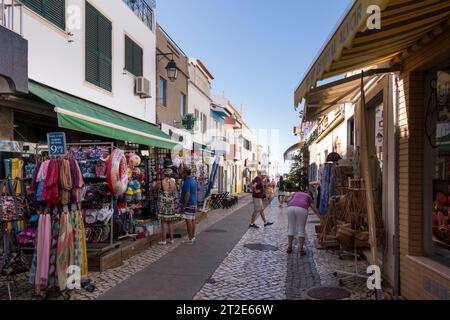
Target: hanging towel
(65,179)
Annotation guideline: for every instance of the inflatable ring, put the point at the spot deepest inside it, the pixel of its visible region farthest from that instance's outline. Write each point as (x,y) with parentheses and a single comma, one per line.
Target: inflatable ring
(117,172)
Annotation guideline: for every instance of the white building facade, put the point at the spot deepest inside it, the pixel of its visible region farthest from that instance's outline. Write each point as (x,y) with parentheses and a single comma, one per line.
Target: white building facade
(82,48)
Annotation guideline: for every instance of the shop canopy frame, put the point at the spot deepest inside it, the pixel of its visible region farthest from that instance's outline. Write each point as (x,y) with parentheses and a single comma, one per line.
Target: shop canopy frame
(406,26)
(80,115)
(322,99)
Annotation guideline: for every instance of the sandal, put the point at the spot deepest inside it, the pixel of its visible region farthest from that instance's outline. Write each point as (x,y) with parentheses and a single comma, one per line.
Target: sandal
(289,250)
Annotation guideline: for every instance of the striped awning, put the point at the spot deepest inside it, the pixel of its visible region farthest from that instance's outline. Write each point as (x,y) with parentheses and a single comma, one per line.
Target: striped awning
(405,26)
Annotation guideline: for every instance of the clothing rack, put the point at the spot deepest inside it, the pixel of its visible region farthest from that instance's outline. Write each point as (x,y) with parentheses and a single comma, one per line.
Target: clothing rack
(110,146)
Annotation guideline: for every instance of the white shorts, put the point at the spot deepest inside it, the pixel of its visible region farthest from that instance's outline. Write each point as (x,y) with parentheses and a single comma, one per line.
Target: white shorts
(281,193)
(297,221)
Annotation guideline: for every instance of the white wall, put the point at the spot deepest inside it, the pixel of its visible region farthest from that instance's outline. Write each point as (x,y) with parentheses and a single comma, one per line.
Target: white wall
(57,63)
(199,97)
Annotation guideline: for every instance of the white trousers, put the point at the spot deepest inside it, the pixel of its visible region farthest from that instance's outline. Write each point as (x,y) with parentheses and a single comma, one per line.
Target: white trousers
(297,217)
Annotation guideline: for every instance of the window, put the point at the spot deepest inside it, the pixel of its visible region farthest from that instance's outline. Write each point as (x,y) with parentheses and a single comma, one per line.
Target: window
(183,104)
(351,131)
(247,144)
(437,173)
(53,11)
(162,92)
(98,48)
(133,57)
(204,123)
(197,118)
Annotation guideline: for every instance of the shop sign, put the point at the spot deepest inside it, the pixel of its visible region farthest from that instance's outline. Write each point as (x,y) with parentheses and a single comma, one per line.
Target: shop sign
(11,146)
(56,143)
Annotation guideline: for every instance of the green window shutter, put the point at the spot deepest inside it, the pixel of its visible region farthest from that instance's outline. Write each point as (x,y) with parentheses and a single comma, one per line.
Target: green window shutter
(35,5)
(105,52)
(91,45)
(98,48)
(133,57)
(55,12)
(128,54)
(52,10)
(137,59)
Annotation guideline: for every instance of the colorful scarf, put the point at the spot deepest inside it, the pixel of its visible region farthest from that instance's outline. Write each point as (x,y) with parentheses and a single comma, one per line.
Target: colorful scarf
(65,180)
(45,253)
(65,248)
(52,283)
(77,181)
(51,184)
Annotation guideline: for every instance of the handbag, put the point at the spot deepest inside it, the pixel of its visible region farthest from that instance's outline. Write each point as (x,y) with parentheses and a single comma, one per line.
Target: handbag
(14,262)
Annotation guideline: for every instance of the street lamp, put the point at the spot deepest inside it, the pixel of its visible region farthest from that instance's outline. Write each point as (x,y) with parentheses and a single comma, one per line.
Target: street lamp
(171,68)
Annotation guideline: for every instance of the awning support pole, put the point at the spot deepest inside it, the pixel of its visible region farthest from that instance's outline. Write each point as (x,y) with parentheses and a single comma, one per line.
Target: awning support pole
(368,184)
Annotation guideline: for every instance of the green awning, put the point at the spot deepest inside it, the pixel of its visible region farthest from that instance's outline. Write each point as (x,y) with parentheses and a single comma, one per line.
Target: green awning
(81,115)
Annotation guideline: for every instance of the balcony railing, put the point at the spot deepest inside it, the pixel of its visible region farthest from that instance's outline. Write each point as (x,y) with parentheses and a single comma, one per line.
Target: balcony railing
(11,15)
(143,9)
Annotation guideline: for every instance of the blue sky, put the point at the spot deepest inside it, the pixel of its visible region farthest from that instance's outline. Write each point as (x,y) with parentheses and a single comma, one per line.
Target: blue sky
(258,51)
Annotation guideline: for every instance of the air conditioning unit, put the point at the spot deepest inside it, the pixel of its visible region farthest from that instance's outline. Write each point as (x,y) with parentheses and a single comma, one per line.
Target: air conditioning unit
(142,88)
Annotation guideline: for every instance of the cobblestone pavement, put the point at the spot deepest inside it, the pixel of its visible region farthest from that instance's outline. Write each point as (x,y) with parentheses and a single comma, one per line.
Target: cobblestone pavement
(106,280)
(248,274)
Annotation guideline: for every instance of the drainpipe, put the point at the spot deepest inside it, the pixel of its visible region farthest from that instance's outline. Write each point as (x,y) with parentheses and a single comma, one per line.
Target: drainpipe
(396,241)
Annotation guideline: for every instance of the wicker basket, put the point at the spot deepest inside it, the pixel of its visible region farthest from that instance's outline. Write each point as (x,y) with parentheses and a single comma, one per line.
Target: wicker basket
(345,234)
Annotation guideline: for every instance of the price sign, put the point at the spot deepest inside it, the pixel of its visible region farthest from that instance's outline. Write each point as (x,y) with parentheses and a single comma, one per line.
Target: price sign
(56,143)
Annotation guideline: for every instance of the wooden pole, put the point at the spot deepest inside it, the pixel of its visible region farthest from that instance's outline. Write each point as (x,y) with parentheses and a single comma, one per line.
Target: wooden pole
(368,184)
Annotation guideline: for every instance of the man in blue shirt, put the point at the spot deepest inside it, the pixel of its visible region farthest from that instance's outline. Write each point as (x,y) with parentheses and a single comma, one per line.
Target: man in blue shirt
(189,204)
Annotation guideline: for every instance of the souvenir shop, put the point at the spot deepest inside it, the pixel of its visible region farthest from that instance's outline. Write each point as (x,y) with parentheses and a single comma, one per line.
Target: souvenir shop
(416,129)
(63,204)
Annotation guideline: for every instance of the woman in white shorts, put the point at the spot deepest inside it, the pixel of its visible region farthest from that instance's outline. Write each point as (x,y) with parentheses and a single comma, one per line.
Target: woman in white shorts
(298,205)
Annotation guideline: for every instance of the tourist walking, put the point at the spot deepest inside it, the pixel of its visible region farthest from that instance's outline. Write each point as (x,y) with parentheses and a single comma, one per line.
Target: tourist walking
(258,195)
(189,204)
(281,185)
(166,205)
(298,205)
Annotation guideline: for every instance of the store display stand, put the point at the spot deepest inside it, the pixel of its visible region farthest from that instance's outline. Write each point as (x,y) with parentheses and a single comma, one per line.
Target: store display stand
(350,275)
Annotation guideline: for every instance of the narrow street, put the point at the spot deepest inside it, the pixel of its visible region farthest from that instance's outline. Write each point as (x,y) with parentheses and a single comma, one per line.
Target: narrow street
(229,262)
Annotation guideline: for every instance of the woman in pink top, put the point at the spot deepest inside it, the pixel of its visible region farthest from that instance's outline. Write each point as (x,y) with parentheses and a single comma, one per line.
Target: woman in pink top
(298,205)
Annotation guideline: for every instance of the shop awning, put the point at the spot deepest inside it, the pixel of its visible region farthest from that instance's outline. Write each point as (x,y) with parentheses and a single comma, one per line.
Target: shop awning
(293,148)
(81,115)
(320,100)
(218,116)
(405,26)
(203,148)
